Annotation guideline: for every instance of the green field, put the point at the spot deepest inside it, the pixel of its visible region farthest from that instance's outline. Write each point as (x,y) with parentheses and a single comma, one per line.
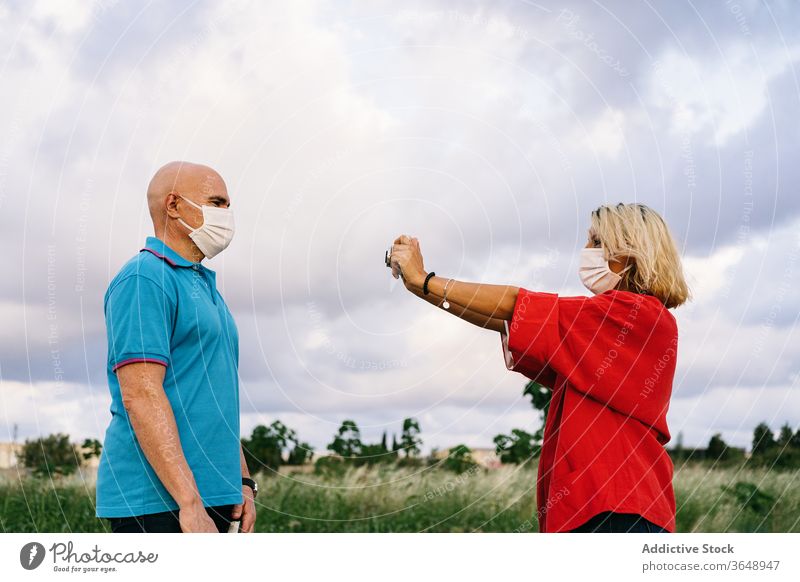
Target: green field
(394,499)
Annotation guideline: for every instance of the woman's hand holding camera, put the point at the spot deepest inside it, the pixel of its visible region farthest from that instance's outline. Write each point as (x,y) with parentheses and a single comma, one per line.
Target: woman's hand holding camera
(405,260)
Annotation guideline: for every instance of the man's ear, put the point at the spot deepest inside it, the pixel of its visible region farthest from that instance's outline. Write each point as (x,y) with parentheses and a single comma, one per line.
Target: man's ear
(171,205)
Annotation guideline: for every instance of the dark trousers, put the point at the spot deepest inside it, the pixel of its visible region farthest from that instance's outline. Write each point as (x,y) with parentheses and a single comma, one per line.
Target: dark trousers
(610,522)
(168,521)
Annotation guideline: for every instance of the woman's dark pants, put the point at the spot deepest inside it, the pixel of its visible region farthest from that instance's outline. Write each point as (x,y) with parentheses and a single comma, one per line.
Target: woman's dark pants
(610,522)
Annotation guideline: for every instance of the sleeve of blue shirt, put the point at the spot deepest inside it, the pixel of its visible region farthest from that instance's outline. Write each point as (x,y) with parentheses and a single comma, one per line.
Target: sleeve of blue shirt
(139,320)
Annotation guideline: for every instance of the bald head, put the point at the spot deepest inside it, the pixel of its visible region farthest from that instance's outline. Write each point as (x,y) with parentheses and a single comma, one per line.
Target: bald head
(197,182)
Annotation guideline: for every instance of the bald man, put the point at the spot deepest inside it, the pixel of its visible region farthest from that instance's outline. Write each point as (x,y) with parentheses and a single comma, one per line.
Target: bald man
(172,459)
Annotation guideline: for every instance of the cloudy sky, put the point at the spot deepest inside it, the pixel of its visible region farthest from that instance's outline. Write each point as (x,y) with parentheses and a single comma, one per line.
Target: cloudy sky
(489,130)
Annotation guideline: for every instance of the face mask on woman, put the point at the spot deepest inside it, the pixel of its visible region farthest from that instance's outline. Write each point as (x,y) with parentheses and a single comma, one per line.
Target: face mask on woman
(216,232)
(595,273)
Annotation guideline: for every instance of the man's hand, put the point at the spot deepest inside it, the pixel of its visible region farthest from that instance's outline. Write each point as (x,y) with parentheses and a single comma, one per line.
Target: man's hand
(195,519)
(245,512)
(407,257)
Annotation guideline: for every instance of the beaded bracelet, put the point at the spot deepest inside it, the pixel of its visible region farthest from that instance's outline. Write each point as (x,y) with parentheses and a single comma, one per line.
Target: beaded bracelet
(425,284)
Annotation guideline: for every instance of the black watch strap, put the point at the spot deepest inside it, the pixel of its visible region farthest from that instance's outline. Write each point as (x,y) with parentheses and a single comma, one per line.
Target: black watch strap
(250,483)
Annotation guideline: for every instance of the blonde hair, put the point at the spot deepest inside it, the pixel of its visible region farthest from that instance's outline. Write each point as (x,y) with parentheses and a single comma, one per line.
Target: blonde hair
(638,234)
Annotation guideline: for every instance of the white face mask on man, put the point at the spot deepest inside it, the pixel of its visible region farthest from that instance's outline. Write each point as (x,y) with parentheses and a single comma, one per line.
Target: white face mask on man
(595,273)
(216,232)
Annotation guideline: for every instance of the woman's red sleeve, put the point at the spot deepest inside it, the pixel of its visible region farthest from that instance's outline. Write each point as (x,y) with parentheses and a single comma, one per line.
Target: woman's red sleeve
(530,337)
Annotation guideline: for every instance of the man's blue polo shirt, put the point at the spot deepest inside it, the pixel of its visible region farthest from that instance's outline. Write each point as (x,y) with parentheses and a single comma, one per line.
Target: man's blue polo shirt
(164,309)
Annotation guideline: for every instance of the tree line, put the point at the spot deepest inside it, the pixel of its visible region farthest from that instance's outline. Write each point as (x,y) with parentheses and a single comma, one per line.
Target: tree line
(767,449)
(269,447)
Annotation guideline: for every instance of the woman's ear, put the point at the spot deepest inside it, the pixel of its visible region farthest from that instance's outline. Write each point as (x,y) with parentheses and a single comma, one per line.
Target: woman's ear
(617,265)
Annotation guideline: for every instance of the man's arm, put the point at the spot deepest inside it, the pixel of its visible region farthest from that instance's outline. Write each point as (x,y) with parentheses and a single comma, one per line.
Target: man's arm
(153,421)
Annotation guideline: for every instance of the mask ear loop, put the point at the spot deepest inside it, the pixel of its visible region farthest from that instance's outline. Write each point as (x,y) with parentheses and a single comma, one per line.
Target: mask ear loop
(191,230)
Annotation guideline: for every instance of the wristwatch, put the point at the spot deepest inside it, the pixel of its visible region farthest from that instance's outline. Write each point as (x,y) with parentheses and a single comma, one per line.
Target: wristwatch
(252,484)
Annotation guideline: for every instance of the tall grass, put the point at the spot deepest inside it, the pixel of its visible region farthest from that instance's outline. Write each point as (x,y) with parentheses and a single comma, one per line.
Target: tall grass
(390,499)
(736,499)
(428,499)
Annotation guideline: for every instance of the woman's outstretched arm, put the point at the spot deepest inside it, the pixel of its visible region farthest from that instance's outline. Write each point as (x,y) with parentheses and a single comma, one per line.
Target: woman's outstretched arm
(482,304)
(464,313)
(494,301)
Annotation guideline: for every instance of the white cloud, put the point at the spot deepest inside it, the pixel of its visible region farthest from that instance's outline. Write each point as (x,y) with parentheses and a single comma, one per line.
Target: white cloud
(721,94)
(607,135)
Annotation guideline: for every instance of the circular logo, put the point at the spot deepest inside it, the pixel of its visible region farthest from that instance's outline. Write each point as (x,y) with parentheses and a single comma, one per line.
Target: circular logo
(31,555)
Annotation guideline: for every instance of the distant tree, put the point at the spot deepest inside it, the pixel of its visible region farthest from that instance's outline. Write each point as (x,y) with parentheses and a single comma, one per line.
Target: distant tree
(677,450)
(785,436)
(717,449)
(459,459)
(347,442)
(92,448)
(50,456)
(300,454)
(787,454)
(763,440)
(540,400)
(383,442)
(540,396)
(517,447)
(263,451)
(372,454)
(410,440)
(795,443)
(395,446)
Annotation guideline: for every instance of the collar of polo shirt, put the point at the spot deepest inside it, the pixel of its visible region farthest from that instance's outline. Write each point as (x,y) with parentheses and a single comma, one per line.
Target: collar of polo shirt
(160,249)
